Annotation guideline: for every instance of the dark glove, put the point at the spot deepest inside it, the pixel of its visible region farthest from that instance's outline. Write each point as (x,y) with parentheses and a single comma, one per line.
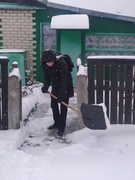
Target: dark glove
(44,90)
(59,99)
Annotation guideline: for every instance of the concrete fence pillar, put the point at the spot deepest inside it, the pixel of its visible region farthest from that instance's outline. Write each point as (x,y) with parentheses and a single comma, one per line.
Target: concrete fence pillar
(82,95)
(14,99)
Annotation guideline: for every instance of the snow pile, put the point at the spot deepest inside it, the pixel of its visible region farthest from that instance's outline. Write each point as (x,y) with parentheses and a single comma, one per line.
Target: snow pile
(15,72)
(82,70)
(9,140)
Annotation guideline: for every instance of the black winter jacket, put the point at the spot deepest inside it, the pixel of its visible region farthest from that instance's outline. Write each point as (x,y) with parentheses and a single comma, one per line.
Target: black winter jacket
(59,78)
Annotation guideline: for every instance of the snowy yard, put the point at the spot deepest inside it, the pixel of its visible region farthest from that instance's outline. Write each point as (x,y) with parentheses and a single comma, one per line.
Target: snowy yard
(28,154)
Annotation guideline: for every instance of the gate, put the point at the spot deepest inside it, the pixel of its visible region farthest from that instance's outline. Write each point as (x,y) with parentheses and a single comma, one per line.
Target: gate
(111,81)
(3,92)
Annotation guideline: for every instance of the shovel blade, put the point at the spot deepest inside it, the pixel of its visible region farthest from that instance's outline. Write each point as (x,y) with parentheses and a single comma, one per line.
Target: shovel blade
(93,116)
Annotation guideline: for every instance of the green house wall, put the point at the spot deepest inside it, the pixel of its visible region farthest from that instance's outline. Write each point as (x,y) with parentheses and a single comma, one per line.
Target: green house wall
(107,25)
(97,25)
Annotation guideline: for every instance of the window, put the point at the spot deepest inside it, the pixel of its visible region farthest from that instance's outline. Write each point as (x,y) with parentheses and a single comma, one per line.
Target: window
(109,44)
(48,37)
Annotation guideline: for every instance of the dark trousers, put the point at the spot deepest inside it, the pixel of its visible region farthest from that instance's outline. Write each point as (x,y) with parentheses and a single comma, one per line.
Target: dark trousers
(59,113)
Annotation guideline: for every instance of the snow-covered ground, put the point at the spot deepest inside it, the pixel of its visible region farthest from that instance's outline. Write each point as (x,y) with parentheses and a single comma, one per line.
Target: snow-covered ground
(28,153)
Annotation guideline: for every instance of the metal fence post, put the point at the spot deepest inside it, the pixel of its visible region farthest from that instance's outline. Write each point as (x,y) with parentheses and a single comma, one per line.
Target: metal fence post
(4,92)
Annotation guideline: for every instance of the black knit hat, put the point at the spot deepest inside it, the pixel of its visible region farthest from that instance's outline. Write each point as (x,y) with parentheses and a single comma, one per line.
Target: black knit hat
(48,56)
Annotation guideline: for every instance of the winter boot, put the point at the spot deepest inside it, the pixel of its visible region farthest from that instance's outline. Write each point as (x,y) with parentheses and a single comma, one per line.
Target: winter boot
(54,126)
(59,134)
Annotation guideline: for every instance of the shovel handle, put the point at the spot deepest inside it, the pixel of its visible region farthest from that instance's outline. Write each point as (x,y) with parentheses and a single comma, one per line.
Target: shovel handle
(65,104)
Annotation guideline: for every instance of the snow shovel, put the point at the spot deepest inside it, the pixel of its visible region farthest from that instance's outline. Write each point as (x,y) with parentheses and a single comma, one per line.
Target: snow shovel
(94,117)
(65,104)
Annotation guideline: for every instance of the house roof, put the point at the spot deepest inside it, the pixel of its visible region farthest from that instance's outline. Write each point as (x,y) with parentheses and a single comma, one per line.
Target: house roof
(121,9)
(22,4)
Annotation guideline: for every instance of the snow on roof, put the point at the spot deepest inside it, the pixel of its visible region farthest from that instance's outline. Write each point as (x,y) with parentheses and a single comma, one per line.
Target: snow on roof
(71,21)
(111,57)
(123,8)
(3,57)
(11,50)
